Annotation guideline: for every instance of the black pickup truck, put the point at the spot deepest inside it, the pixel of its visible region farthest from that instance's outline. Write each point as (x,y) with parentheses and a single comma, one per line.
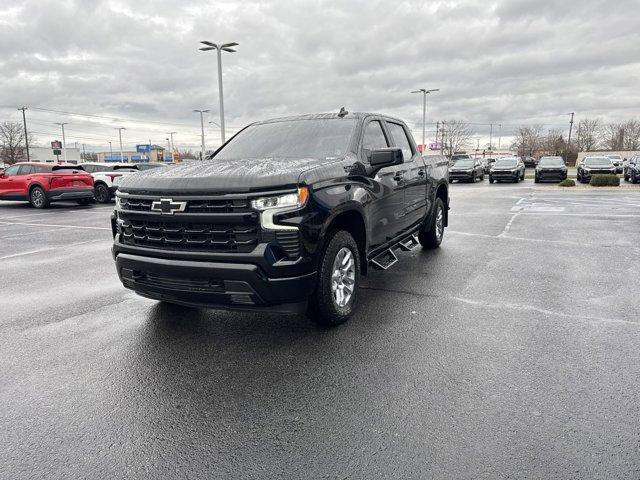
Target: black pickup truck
(285,216)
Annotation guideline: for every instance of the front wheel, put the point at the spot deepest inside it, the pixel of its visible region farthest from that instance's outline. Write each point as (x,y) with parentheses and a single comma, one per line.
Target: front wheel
(334,298)
(38,198)
(490,180)
(632,177)
(431,236)
(102,194)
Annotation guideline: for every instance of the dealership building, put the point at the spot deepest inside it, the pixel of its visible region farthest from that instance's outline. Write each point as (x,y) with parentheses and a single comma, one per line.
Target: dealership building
(142,153)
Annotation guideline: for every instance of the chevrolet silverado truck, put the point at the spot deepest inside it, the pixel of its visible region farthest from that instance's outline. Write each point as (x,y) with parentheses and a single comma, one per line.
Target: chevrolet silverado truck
(285,216)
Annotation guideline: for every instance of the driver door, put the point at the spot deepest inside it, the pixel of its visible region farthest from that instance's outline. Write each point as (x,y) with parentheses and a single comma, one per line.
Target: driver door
(387,195)
(8,185)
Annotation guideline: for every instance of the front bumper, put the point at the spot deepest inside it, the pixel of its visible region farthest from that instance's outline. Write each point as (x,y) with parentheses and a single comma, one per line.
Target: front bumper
(506,175)
(460,175)
(69,194)
(234,286)
(551,175)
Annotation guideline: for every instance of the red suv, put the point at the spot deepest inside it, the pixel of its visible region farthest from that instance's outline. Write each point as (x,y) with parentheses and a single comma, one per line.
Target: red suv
(42,183)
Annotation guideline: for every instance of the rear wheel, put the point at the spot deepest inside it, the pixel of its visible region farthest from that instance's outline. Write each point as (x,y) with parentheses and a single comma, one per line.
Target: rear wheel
(430,236)
(38,198)
(334,298)
(102,194)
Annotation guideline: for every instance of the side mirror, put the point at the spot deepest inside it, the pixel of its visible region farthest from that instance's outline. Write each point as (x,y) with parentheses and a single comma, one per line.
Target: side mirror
(386,157)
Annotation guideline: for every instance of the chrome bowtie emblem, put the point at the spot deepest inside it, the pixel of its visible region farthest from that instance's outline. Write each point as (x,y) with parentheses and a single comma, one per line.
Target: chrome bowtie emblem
(168,206)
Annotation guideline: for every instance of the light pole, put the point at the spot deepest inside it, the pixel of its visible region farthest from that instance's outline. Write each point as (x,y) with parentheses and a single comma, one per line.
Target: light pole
(120,136)
(569,139)
(424,111)
(110,149)
(499,135)
(26,139)
(171,146)
(202,112)
(168,148)
(64,142)
(219,48)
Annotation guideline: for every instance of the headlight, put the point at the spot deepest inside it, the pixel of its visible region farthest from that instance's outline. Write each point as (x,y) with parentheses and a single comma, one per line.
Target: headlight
(118,203)
(290,200)
(270,206)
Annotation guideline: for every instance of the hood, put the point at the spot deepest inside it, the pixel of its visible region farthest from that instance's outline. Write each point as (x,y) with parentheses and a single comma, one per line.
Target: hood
(241,175)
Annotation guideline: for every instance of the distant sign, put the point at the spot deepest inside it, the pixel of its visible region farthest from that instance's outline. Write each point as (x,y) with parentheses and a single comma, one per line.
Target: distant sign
(146,148)
(56,144)
(435,146)
(57,151)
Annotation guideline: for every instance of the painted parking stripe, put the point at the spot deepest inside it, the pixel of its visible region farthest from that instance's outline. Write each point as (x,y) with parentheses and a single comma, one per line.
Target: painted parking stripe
(79,227)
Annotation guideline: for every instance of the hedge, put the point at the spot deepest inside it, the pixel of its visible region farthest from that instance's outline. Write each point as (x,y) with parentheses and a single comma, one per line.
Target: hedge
(567,182)
(605,181)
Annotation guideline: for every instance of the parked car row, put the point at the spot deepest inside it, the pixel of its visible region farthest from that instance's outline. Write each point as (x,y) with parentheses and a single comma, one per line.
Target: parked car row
(40,183)
(590,166)
(501,169)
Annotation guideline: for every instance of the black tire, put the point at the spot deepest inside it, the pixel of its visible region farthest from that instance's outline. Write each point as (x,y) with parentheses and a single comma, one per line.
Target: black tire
(430,236)
(536,179)
(490,179)
(517,179)
(482,177)
(38,198)
(323,307)
(84,201)
(473,178)
(101,192)
(632,177)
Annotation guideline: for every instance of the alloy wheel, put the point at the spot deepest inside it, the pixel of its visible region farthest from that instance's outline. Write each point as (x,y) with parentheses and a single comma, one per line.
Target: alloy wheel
(343,278)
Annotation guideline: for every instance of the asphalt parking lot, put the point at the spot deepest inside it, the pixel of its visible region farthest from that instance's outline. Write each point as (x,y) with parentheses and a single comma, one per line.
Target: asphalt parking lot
(512,351)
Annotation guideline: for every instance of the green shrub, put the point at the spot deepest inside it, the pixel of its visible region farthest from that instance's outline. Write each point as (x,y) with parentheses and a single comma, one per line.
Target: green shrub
(567,182)
(605,181)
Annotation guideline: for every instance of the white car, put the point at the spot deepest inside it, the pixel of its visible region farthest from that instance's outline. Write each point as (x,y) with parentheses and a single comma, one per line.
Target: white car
(617,161)
(103,177)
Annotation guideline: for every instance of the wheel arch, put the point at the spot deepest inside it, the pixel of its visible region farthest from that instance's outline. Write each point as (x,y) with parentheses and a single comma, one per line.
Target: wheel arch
(351,218)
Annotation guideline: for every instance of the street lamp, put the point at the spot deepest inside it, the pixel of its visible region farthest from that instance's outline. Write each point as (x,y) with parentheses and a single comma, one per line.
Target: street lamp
(424,111)
(64,142)
(219,48)
(202,112)
(171,147)
(120,136)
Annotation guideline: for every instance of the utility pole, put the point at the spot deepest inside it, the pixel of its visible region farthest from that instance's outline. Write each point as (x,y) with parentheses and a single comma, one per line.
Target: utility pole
(442,141)
(26,140)
(424,93)
(491,137)
(569,138)
(202,112)
(84,155)
(110,149)
(168,148)
(219,48)
(171,146)
(499,135)
(64,142)
(120,136)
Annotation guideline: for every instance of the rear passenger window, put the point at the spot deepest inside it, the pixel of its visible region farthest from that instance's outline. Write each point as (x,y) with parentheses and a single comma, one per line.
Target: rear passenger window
(400,138)
(26,169)
(373,138)
(40,169)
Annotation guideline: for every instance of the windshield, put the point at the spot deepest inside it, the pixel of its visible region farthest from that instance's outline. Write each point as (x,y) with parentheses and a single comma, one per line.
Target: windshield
(614,157)
(459,157)
(463,163)
(315,138)
(551,162)
(506,162)
(597,162)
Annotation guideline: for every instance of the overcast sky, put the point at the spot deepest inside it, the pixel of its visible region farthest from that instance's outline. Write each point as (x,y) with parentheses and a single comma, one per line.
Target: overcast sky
(510,62)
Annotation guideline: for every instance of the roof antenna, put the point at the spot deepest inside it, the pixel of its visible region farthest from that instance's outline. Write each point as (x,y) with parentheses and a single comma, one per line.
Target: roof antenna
(343,112)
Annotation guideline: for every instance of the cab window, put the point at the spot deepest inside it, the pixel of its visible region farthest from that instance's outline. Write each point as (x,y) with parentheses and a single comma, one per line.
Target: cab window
(401,140)
(374,137)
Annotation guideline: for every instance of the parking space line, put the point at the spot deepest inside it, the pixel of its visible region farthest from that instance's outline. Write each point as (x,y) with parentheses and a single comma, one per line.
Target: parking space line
(35,232)
(41,250)
(80,227)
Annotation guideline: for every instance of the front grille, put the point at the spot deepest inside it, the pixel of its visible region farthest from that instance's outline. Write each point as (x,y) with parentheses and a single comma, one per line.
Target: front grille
(289,242)
(203,284)
(193,206)
(190,236)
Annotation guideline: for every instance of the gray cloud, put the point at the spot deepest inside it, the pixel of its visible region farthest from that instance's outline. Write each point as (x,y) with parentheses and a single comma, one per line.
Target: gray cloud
(508,61)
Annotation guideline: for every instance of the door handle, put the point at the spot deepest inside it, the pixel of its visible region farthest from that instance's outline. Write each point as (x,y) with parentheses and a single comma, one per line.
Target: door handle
(398,176)
(421,172)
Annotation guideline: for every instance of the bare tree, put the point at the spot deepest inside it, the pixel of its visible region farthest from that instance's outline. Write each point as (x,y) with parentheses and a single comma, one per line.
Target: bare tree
(527,139)
(457,136)
(612,136)
(588,133)
(554,143)
(631,132)
(11,142)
